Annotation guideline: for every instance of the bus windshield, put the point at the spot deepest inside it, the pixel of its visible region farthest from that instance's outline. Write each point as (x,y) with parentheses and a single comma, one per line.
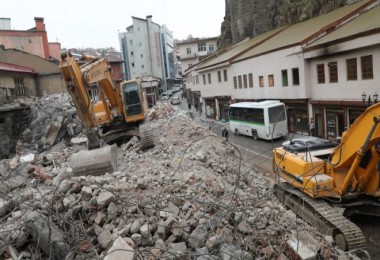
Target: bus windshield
(132,99)
(276,114)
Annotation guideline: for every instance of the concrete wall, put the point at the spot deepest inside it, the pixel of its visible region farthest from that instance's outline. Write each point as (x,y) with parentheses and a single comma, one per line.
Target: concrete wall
(7,85)
(55,50)
(12,123)
(39,64)
(31,44)
(49,84)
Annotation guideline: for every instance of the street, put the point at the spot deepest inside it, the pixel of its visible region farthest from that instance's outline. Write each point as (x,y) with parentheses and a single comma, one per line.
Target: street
(256,152)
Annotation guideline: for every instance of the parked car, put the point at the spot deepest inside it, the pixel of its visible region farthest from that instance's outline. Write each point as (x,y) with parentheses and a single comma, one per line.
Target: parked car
(175,101)
(164,97)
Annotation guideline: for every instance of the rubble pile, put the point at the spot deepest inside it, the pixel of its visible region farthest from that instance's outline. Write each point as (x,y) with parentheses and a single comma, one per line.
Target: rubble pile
(189,197)
(53,119)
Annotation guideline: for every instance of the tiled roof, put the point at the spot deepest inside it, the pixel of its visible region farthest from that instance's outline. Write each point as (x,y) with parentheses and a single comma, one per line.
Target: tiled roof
(366,22)
(285,37)
(237,49)
(15,68)
(299,32)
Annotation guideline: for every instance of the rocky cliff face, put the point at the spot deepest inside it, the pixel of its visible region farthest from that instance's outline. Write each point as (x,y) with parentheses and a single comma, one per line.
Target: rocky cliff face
(248,18)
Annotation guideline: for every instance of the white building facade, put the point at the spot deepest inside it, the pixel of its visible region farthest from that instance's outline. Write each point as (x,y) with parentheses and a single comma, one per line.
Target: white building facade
(147,49)
(318,73)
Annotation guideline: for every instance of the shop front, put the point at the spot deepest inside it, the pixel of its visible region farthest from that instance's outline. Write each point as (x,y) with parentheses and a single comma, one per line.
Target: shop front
(332,118)
(210,108)
(298,116)
(223,105)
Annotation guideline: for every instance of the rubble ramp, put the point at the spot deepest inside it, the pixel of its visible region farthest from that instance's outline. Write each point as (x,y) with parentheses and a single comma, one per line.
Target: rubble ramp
(94,162)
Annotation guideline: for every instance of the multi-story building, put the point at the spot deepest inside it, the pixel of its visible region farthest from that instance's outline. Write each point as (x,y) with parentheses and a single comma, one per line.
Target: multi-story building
(193,50)
(147,49)
(322,69)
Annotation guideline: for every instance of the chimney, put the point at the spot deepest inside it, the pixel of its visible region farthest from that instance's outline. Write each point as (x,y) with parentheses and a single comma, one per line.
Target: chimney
(149,18)
(40,26)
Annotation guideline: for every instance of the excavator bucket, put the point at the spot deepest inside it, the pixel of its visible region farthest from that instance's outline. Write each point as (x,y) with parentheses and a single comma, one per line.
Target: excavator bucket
(94,162)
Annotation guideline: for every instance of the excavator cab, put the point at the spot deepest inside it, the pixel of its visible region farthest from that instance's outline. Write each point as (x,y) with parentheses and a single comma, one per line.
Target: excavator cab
(132,99)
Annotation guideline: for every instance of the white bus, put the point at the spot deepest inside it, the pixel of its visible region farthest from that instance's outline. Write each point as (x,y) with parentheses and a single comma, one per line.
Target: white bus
(265,120)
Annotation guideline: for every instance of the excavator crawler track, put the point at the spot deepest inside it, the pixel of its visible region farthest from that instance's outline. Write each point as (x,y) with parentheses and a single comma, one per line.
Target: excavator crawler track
(146,138)
(327,219)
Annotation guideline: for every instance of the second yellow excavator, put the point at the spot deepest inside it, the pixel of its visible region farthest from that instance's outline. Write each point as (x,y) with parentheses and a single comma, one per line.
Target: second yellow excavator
(327,182)
(108,112)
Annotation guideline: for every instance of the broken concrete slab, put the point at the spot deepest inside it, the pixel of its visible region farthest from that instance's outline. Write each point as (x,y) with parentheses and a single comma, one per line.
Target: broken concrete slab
(94,162)
(52,132)
(120,250)
(27,158)
(47,235)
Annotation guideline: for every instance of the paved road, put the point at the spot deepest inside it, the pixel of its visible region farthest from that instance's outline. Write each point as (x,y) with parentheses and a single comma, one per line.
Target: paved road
(257,152)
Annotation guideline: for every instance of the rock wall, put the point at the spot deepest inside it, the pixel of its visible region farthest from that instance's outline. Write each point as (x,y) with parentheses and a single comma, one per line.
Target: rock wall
(249,18)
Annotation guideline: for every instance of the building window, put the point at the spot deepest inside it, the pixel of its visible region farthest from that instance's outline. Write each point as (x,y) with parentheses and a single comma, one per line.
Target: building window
(188,50)
(19,86)
(250,80)
(225,75)
(131,42)
(131,53)
(204,79)
(352,69)
(296,76)
(142,55)
(133,64)
(284,76)
(201,46)
(245,81)
(140,44)
(219,76)
(211,48)
(261,81)
(240,82)
(235,83)
(209,78)
(197,79)
(321,73)
(271,80)
(367,67)
(333,71)
(142,66)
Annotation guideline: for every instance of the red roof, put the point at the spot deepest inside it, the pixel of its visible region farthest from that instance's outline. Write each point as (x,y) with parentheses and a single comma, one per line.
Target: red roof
(16,68)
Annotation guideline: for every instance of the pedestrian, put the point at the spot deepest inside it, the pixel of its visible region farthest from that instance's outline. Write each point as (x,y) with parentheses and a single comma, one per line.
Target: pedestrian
(312,127)
(189,105)
(182,96)
(225,133)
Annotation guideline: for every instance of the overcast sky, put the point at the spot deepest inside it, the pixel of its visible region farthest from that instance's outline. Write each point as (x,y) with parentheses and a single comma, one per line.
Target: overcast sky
(96,23)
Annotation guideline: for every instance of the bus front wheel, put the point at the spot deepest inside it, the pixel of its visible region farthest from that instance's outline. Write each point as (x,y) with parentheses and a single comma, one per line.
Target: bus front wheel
(254,135)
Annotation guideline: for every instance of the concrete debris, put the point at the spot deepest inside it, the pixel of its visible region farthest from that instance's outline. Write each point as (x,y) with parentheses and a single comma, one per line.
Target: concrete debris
(94,162)
(189,197)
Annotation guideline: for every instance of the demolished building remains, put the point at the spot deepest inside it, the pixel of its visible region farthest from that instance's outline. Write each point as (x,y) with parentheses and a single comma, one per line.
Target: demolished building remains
(189,197)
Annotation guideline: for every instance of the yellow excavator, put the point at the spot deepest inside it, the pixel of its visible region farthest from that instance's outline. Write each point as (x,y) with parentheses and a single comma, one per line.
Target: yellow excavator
(328,182)
(108,112)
